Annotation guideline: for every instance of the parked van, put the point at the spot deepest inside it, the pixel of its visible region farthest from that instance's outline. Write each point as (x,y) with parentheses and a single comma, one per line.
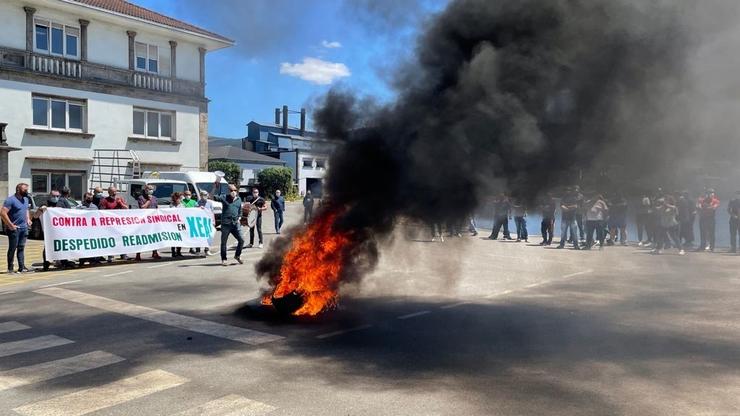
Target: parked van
(201,181)
(163,190)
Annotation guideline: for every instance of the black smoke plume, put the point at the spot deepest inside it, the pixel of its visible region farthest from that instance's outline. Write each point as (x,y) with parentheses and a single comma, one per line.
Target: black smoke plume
(522,95)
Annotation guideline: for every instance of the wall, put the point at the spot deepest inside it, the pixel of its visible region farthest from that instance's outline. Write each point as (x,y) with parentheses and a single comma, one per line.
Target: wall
(13,26)
(109,118)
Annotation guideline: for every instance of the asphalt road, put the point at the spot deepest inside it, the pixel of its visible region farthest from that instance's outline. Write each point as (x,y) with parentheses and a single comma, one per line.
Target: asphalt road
(465,327)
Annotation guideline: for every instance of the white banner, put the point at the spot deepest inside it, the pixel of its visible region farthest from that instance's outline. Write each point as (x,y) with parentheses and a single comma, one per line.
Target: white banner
(76,233)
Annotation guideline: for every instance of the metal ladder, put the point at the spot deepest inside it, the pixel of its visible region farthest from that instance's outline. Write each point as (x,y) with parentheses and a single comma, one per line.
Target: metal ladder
(111,166)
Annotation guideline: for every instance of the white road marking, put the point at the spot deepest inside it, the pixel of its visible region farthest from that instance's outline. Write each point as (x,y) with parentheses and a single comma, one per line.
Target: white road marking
(32,344)
(231,405)
(101,397)
(343,331)
(455,305)
(534,285)
(11,326)
(243,335)
(118,274)
(9,292)
(52,369)
(413,315)
(156,266)
(576,274)
(493,295)
(62,283)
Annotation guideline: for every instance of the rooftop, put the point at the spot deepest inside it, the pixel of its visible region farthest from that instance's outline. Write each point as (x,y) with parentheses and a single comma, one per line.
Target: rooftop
(125,8)
(236,153)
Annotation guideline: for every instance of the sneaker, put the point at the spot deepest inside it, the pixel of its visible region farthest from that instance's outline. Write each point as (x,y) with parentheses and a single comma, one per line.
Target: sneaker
(260,245)
(434,239)
(648,244)
(682,252)
(490,237)
(458,235)
(560,246)
(706,248)
(250,245)
(224,263)
(441,239)
(543,243)
(26,270)
(191,251)
(238,260)
(11,271)
(474,233)
(518,240)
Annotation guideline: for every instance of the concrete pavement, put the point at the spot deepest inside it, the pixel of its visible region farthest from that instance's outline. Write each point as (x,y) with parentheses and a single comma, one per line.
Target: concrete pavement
(470,326)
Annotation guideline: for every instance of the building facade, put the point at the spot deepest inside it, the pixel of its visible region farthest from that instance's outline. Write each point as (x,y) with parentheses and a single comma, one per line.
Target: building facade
(91,89)
(305,152)
(250,163)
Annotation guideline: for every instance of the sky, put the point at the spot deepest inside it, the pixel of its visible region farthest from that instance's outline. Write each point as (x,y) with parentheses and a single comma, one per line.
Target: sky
(291,52)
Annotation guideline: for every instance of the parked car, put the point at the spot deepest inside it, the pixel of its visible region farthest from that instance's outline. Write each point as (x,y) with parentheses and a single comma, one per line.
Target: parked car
(163,190)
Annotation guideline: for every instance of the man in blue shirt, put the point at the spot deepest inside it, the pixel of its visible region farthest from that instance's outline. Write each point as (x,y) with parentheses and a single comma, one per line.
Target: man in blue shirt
(15,216)
(278,207)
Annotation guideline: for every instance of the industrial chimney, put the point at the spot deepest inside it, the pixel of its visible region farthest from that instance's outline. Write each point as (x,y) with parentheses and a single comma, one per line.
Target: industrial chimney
(303,121)
(277,116)
(285,119)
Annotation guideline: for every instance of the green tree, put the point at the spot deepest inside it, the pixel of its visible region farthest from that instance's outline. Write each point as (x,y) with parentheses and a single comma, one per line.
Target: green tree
(232,170)
(271,179)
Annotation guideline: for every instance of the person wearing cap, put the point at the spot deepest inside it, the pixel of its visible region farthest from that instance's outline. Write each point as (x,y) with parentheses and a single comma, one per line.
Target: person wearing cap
(707,206)
(733,208)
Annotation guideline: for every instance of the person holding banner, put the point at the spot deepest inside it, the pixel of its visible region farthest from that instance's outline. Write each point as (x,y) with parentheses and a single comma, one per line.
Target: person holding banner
(113,201)
(176,202)
(88,204)
(147,201)
(232,207)
(206,204)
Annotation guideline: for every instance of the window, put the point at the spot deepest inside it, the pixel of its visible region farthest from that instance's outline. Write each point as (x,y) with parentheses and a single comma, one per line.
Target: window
(151,123)
(56,39)
(147,57)
(320,163)
(44,182)
(58,113)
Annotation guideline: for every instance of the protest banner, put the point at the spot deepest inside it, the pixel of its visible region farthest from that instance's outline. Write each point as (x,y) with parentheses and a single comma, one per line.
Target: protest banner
(73,234)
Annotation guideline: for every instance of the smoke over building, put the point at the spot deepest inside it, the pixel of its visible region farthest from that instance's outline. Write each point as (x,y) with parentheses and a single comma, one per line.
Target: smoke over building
(518,95)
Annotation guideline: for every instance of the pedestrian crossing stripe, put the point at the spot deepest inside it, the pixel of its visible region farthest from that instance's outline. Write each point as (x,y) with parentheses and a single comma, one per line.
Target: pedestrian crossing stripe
(58,368)
(32,344)
(234,333)
(231,405)
(105,396)
(12,326)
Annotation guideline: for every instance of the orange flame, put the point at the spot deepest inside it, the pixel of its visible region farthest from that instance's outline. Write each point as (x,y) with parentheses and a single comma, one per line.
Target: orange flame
(312,266)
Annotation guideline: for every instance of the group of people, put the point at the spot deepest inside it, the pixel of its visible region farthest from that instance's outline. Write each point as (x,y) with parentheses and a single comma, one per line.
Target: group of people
(17,218)
(664,220)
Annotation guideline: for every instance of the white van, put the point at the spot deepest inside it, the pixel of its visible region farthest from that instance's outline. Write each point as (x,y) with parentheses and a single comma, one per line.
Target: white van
(201,181)
(163,190)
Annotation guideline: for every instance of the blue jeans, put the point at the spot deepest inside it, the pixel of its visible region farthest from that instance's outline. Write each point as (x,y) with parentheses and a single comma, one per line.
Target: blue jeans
(278,221)
(564,226)
(521,228)
(234,230)
(17,243)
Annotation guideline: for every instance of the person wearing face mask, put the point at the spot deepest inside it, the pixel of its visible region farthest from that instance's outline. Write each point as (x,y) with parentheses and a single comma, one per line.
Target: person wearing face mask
(278,208)
(206,204)
(147,201)
(54,201)
(14,214)
(113,201)
(97,196)
(87,204)
(232,208)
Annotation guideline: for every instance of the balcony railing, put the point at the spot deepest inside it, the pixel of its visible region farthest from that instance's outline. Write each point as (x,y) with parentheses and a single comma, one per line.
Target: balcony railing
(21,60)
(152,82)
(56,66)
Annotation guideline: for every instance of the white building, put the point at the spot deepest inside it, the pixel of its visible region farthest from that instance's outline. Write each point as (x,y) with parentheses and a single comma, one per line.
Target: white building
(90,88)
